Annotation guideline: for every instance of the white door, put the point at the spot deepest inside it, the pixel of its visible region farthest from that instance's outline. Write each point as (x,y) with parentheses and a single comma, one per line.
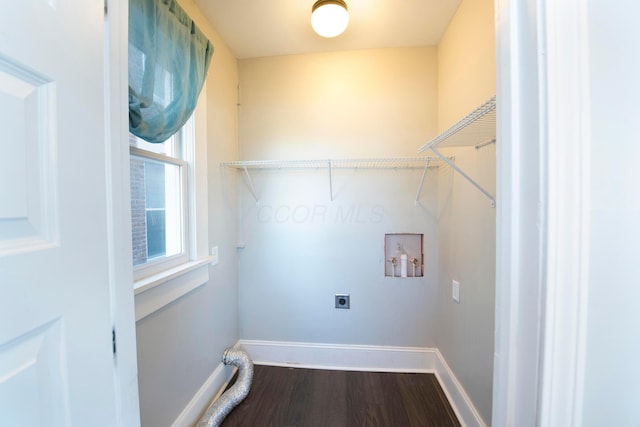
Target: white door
(56,364)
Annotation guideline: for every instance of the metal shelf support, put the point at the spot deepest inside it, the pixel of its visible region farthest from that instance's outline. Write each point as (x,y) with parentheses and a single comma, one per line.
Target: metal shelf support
(330,181)
(467,177)
(252,187)
(424,174)
(484,144)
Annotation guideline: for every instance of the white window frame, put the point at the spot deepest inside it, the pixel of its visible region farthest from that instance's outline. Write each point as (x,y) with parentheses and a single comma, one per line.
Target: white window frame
(167,284)
(157,265)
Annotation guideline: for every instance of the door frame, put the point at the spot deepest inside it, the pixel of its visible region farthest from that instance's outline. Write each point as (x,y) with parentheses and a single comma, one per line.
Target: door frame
(118,215)
(542,213)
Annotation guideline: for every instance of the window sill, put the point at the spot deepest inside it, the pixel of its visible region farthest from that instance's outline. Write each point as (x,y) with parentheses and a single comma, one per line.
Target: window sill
(154,292)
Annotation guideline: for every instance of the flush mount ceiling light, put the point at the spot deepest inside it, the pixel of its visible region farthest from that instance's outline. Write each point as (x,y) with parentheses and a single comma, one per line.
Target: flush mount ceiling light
(329,18)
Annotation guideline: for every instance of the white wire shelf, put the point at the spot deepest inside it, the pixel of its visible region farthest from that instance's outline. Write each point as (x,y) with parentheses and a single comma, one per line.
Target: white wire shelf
(417,162)
(477,129)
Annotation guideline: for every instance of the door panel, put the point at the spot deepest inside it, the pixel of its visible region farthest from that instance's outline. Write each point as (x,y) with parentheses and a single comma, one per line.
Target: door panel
(56,361)
(27,214)
(32,391)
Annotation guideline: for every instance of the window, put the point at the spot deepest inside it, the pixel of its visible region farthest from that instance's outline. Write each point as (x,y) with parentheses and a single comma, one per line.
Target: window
(160,279)
(168,62)
(159,176)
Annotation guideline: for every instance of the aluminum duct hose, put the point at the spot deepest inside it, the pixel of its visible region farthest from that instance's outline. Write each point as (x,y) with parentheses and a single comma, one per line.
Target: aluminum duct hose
(231,398)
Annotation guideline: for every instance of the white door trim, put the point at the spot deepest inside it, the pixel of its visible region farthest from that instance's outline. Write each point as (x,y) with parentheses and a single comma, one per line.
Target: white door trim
(118,215)
(566,92)
(542,217)
(519,216)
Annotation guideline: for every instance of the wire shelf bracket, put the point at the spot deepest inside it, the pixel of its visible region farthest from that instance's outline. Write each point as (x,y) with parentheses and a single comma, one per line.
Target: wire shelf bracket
(330,181)
(424,174)
(250,184)
(477,129)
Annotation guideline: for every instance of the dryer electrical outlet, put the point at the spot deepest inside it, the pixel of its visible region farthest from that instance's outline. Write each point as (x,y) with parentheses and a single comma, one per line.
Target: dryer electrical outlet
(343,301)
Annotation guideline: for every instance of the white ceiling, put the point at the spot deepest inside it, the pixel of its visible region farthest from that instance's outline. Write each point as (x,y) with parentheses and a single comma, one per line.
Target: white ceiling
(256,28)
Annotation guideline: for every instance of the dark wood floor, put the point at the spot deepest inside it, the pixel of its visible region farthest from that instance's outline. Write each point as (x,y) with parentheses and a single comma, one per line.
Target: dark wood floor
(283,397)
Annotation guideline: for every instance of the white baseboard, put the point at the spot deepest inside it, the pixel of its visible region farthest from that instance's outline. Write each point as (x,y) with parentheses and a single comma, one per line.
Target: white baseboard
(458,398)
(340,356)
(367,358)
(210,390)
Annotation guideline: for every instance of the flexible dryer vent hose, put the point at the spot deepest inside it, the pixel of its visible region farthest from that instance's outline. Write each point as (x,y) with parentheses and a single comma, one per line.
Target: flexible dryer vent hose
(231,398)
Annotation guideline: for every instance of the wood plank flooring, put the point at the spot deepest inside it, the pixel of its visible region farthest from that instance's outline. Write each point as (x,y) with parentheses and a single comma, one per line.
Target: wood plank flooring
(286,397)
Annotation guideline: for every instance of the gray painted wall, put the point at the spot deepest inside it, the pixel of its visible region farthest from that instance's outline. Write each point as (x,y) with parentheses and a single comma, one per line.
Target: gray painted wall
(466,221)
(181,345)
(302,249)
(466,253)
(178,349)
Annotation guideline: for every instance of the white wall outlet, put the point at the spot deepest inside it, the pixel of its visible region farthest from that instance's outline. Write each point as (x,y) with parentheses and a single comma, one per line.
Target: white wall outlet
(215,260)
(455,291)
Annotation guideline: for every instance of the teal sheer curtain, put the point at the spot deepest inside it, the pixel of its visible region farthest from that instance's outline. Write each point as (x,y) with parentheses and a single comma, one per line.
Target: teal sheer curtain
(168,61)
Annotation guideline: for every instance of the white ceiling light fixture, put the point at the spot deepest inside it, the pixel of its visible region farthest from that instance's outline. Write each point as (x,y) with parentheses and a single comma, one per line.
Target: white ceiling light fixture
(329,18)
